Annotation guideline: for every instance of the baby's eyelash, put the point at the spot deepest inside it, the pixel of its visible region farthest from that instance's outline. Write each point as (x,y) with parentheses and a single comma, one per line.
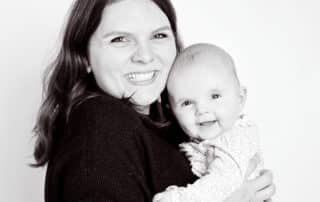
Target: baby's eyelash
(186,103)
(215,96)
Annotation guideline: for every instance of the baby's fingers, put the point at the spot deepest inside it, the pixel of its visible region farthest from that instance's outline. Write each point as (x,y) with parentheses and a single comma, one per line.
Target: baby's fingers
(263,181)
(210,156)
(266,193)
(254,161)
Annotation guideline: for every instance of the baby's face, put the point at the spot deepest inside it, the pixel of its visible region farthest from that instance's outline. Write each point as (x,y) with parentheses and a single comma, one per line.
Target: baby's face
(205,98)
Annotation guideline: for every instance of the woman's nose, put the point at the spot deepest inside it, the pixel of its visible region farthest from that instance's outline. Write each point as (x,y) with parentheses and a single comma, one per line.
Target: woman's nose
(143,54)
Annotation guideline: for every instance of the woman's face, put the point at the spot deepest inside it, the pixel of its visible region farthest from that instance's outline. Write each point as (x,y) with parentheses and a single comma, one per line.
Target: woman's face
(132,50)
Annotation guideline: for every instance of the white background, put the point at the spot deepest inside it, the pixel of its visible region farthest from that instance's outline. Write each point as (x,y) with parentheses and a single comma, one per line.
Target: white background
(276,47)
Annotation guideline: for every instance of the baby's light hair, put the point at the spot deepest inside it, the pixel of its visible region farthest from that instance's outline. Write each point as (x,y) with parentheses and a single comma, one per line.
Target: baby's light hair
(196,51)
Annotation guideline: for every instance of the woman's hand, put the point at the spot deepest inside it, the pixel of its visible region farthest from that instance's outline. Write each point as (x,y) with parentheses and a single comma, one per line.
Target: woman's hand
(256,190)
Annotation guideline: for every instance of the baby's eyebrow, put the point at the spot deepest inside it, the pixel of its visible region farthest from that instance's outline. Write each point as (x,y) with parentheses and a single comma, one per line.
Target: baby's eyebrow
(214,90)
(182,100)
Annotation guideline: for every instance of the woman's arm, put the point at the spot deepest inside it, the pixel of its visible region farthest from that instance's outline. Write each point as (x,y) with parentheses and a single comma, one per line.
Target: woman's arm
(256,190)
(259,189)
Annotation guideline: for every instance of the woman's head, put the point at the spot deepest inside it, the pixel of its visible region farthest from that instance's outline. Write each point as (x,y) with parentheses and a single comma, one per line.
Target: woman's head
(132,50)
(86,46)
(108,35)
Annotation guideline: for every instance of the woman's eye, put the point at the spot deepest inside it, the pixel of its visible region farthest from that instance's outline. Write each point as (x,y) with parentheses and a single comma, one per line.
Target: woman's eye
(215,96)
(119,39)
(160,36)
(186,103)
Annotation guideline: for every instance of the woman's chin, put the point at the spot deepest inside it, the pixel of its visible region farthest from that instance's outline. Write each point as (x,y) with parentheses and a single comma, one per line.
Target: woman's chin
(146,97)
(143,100)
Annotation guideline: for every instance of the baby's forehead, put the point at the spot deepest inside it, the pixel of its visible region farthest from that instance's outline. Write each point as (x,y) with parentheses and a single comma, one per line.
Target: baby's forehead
(205,53)
(204,60)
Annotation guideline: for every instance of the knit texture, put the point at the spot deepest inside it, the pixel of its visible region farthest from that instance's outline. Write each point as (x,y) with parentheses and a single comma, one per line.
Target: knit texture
(107,152)
(232,151)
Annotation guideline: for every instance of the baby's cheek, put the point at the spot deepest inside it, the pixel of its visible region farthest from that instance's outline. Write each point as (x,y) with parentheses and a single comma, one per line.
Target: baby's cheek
(187,122)
(191,133)
(191,130)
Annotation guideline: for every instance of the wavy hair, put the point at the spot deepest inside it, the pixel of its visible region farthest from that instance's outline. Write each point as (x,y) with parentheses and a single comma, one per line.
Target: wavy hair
(67,82)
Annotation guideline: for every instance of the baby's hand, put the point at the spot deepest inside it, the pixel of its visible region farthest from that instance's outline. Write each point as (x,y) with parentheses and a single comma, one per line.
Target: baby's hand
(259,189)
(210,156)
(252,166)
(200,156)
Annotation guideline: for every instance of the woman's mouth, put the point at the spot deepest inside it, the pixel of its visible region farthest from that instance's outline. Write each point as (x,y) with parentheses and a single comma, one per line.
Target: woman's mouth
(141,78)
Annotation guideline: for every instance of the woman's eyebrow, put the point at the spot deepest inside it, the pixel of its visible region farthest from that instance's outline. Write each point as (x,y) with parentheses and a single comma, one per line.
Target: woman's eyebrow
(106,35)
(164,28)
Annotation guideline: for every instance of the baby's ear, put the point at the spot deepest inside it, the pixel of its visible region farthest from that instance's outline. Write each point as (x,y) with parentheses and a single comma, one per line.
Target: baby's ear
(243,95)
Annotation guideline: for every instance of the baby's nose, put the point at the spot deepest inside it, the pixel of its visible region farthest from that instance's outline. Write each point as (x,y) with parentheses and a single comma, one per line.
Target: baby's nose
(205,116)
(201,109)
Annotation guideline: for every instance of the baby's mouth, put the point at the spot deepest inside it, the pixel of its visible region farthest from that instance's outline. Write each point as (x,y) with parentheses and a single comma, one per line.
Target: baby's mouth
(207,123)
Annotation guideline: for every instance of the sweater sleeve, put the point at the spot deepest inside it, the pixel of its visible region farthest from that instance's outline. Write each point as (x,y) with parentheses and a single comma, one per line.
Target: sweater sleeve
(217,185)
(102,156)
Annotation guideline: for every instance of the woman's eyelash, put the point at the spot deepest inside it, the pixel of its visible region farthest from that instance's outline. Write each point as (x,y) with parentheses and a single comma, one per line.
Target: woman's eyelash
(118,39)
(160,35)
(124,39)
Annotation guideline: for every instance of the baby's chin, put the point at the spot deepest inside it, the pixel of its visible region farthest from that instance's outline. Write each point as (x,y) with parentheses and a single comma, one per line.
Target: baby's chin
(209,136)
(210,133)
(199,137)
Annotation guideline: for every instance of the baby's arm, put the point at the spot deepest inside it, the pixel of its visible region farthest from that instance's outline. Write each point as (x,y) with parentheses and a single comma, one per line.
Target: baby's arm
(248,145)
(216,186)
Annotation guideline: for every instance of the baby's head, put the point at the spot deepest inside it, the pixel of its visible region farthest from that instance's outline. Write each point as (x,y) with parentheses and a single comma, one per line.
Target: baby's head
(204,91)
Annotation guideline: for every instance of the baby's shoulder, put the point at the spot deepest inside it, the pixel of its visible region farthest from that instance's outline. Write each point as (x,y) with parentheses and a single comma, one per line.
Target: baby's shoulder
(244,135)
(245,128)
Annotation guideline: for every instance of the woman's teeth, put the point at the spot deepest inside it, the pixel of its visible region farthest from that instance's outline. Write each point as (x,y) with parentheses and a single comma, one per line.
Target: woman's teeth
(141,78)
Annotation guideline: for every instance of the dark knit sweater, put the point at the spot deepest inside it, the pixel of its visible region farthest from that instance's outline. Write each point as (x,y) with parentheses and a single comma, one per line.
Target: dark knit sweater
(107,152)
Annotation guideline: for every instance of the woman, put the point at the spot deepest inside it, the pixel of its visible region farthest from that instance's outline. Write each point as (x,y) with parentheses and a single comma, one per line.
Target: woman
(101,129)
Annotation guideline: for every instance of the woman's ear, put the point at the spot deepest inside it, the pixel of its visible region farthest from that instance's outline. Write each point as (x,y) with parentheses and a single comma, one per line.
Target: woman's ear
(89,69)
(243,96)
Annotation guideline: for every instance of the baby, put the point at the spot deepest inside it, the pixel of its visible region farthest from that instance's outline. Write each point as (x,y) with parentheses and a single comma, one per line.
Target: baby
(207,100)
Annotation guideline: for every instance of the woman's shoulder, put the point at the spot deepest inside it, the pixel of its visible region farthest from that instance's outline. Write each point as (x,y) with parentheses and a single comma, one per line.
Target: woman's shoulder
(98,102)
(104,107)
(102,115)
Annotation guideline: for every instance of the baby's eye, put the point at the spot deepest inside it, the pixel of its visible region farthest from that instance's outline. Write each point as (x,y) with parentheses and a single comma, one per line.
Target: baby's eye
(119,39)
(186,103)
(215,96)
(160,36)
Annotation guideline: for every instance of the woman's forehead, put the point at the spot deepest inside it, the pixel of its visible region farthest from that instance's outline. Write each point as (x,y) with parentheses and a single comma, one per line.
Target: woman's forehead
(131,15)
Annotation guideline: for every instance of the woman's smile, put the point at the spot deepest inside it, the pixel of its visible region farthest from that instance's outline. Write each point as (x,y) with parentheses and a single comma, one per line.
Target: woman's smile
(142,78)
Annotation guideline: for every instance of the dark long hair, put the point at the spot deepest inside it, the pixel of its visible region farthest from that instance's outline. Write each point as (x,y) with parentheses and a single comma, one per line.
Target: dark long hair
(67,82)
